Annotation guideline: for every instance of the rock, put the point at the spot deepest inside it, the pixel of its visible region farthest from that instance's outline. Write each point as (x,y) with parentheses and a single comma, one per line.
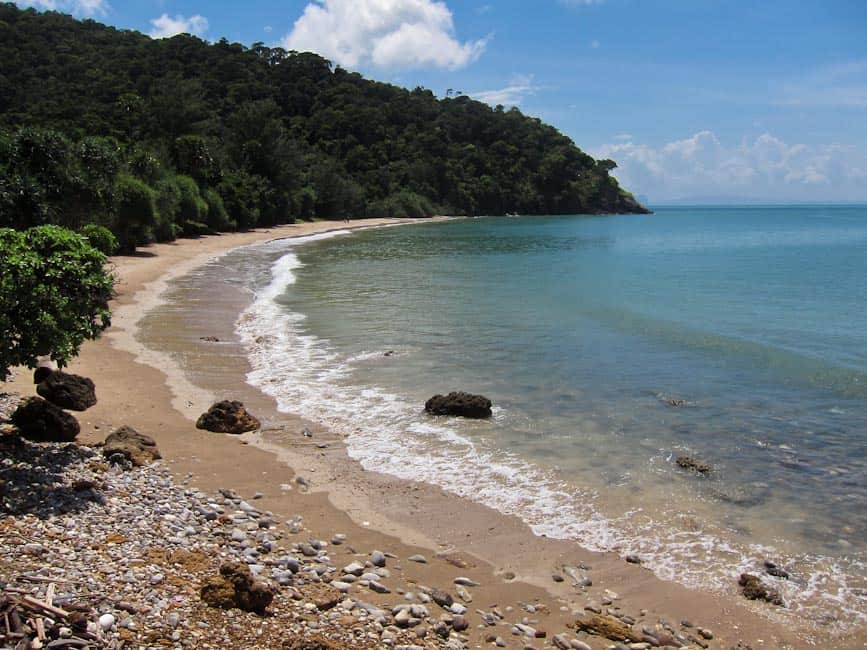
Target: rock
(754,589)
(209,339)
(41,374)
(466,582)
(772,569)
(421,559)
(442,598)
(461,404)
(459,624)
(377,558)
(632,558)
(68,391)
(106,621)
(608,627)
(42,421)
(227,417)
(138,448)
(693,464)
(674,401)
(314,643)
(464,594)
(236,587)
(324,596)
(556,577)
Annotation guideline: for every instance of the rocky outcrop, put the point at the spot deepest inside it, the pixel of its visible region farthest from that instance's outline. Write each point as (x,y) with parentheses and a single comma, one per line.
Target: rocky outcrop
(131,446)
(227,417)
(754,589)
(41,374)
(68,391)
(458,403)
(41,421)
(693,464)
(236,587)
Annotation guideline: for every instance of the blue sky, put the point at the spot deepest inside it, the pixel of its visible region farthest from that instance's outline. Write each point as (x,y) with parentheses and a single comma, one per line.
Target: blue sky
(693,98)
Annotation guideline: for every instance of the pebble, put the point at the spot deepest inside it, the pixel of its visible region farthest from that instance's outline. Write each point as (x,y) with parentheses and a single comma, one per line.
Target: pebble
(421,559)
(377,558)
(466,582)
(632,558)
(106,621)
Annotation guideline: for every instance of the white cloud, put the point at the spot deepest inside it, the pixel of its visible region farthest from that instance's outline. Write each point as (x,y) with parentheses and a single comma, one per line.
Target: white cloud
(165,26)
(520,87)
(394,34)
(762,168)
(77,7)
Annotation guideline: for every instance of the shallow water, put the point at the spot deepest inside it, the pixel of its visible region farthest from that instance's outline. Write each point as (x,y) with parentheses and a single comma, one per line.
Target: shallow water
(579,329)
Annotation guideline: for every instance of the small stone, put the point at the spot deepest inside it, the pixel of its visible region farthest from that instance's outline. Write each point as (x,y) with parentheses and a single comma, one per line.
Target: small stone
(466,582)
(557,578)
(458,609)
(459,623)
(106,621)
(632,558)
(705,633)
(377,558)
(421,559)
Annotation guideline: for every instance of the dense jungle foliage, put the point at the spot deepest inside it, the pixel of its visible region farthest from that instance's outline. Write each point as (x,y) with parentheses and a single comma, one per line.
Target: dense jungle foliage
(159,138)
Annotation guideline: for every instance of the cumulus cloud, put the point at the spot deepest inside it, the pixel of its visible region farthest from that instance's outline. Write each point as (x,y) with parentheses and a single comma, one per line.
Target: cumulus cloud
(394,34)
(762,168)
(165,26)
(77,7)
(520,87)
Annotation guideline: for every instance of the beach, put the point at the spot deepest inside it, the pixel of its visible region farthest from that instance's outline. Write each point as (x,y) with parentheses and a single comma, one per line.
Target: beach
(535,582)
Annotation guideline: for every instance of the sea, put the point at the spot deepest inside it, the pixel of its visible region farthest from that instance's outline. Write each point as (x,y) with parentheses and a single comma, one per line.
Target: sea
(609,345)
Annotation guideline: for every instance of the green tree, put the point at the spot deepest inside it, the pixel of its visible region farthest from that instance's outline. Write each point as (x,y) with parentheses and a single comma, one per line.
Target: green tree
(54,292)
(135,213)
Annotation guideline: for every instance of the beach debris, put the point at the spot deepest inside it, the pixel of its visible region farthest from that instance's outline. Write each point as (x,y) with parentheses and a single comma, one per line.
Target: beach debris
(227,417)
(754,589)
(42,421)
(461,404)
(608,627)
(693,464)
(72,392)
(209,339)
(133,447)
(235,586)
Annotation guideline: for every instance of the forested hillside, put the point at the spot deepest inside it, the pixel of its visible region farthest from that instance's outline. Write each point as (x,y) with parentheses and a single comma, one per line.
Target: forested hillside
(155,138)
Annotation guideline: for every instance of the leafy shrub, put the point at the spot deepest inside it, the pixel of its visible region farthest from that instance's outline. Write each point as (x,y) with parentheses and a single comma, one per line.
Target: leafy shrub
(101,238)
(54,292)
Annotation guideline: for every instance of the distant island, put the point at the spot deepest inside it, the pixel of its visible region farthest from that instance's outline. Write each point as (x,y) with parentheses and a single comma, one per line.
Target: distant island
(160,138)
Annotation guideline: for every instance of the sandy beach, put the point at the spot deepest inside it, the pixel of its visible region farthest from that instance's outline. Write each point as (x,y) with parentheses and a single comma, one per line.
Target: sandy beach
(141,384)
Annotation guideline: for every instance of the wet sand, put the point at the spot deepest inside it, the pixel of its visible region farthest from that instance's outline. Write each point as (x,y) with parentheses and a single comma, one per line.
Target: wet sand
(145,387)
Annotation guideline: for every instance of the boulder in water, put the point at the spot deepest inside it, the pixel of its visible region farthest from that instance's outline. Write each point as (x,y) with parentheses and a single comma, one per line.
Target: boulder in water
(754,589)
(459,403)
(227,417)
(693,464)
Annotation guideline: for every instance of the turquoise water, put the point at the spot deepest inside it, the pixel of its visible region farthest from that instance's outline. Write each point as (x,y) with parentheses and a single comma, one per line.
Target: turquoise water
(580,329)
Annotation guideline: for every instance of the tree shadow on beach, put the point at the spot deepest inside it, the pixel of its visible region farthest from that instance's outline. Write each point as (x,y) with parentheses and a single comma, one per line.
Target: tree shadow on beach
(34,480)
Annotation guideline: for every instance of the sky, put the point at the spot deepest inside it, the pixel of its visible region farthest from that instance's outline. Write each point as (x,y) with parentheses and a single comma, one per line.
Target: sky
(759,100)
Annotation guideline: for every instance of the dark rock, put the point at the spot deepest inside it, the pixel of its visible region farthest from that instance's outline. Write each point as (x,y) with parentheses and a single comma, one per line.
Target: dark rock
(227,417)
(236,587)
(68,391)
(772,569)
(41,374)
(314,643)
(632,558)
(462,404)
(137,448)
(754,589)
(442,598)
(42,421)
(209,339)
(675,401)
(693,464)
(459,624)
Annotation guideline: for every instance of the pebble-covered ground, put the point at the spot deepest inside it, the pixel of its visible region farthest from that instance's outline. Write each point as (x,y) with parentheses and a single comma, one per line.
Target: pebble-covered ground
(124,551)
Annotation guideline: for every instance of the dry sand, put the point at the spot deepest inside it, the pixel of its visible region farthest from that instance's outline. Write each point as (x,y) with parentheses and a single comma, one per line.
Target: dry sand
(146,389)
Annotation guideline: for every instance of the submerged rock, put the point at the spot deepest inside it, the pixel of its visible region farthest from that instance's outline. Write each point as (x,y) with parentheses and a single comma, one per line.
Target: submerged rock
(773,569)
(137,448)
(227,417)
(459,403)
(236,587)
(693,464)
(42,421)
(754,589)
(67,391)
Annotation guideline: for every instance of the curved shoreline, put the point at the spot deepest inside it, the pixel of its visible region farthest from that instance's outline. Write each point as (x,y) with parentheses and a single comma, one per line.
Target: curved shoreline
(515,549)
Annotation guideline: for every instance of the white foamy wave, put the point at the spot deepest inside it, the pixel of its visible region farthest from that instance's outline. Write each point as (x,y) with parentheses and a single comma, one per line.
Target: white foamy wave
(388,434)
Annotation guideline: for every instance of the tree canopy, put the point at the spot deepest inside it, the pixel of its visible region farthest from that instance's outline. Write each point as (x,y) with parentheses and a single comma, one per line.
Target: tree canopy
(54,292)
(227,136)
